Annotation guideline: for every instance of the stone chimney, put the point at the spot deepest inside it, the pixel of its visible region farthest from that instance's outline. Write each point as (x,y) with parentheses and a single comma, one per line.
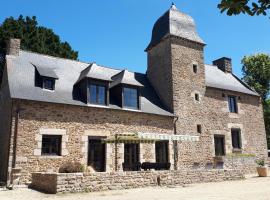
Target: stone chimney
(224,64)
(13,47)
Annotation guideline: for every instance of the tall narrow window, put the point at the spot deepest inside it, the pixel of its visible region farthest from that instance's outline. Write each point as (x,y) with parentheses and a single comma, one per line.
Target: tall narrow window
(197,97)
(232,104)
(199,128)
(161,151)
(97,94)
(219,145)
(51,145)
(130,98)
(195,68)
(236,138)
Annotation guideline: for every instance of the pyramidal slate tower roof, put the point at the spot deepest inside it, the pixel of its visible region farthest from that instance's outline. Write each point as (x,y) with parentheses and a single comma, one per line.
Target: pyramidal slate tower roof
(174,23)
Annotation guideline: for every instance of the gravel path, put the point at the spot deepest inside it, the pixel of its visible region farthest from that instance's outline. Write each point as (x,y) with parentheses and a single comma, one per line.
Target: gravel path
(252,188)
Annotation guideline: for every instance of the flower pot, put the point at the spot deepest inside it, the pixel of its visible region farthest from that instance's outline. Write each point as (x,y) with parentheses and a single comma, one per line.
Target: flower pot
(262,171)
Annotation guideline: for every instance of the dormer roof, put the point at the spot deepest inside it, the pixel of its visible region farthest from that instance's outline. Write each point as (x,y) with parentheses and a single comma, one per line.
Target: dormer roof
(125,77)
(95,72)
(45,71)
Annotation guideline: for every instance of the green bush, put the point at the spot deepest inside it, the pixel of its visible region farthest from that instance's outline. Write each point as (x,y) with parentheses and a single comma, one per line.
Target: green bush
(260,162)
(71,167)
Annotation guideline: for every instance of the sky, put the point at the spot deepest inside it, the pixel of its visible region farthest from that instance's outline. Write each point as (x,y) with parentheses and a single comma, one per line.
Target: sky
(115,33)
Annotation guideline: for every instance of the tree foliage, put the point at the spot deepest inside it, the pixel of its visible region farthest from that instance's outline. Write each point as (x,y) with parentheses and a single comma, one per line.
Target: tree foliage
(250,7)
(34,38)
(256,71)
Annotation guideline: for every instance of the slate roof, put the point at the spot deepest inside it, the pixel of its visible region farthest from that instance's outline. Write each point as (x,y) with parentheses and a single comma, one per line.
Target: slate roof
(174,23)
(21,77)
(125,77)
(216,78)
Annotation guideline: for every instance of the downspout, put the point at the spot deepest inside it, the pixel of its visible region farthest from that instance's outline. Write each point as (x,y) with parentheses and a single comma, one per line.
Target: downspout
(175,145)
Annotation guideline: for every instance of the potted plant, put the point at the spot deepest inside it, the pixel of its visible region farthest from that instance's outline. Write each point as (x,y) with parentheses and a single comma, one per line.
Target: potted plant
(261,169)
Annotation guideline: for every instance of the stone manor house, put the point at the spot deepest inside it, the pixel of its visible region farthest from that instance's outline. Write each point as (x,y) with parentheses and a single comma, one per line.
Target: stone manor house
(182,113)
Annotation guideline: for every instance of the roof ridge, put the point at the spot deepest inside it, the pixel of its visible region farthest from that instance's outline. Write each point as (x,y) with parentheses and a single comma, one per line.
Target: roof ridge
(56,57)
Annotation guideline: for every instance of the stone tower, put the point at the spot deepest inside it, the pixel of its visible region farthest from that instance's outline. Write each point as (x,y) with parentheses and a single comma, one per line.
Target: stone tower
(176,70)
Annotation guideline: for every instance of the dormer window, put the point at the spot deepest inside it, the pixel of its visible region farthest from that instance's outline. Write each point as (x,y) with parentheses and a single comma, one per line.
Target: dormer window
(97,94)
(48,83)
(130,98)
(45,77)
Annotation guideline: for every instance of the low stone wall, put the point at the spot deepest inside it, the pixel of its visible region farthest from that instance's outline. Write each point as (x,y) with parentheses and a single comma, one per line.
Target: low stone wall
(246,163)
(79,182)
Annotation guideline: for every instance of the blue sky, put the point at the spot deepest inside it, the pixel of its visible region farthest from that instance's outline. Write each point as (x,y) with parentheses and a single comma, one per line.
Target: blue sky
(115,33)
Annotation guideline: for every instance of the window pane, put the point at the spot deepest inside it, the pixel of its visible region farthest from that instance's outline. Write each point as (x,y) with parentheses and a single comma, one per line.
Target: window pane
(48,84)
(101,95)
(97,94)
(232,104)
(130,98)
(93,94)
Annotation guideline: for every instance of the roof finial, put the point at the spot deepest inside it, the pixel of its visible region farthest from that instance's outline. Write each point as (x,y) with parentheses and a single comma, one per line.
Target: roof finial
(173,7)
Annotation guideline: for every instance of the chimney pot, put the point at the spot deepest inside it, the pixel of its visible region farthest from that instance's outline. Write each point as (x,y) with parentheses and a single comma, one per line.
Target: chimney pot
(13,46)
(224,64)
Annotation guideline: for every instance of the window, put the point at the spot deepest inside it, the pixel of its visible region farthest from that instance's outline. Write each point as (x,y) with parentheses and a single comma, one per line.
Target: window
(131,157)
(195,68)
(162,152)
(48,83)
(51,145)
(199,128)
(232,104)
(219,145)
(130,98)
(97,94)
(197,97)
(236,138)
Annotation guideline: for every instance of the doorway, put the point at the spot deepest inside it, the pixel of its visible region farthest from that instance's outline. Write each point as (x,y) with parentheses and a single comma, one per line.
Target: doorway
(131,157)
(96,154)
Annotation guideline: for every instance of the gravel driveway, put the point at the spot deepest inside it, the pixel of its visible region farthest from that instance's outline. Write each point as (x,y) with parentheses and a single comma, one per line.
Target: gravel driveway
(252,188)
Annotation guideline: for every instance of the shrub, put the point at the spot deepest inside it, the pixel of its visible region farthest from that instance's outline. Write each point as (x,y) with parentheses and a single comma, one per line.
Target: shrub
(71,167)
(260,162)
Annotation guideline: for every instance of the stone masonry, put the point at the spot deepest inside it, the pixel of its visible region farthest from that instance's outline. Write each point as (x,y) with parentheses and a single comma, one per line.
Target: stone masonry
(79,182)
(75,122)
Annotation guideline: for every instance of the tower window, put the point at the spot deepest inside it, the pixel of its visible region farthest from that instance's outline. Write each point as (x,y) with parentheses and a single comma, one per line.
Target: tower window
(195,68)
(199,128)
(197,97)
(236,138)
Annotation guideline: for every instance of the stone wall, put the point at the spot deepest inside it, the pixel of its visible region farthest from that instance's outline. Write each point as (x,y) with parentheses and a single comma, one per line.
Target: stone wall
(246,163)
(79,182)
(76,124)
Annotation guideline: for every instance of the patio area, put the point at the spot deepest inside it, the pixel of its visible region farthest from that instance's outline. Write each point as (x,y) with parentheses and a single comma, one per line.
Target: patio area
(249,189)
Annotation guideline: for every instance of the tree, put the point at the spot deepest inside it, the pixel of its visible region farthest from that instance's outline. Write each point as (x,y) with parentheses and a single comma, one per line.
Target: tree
(33,38)
(256,71)
(251,7)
